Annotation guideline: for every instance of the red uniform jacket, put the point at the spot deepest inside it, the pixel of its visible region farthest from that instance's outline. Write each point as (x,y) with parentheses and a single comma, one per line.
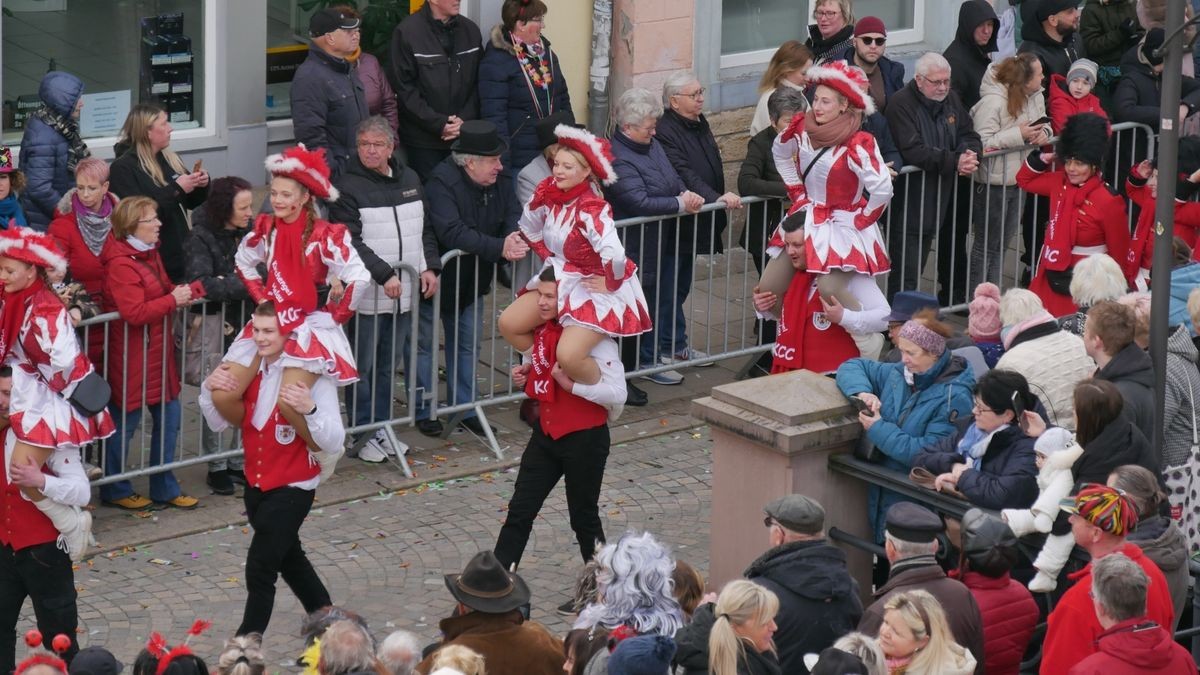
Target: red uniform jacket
(275,455)
(561,413)
(806,337)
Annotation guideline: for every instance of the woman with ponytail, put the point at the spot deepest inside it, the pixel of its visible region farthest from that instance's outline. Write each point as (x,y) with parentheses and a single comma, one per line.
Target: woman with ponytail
(732,637)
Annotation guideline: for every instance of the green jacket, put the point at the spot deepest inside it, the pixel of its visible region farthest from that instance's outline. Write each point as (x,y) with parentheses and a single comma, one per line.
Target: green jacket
(1103,40)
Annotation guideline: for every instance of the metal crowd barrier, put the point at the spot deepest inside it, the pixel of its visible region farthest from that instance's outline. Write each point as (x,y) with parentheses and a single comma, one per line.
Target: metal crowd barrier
(699,297)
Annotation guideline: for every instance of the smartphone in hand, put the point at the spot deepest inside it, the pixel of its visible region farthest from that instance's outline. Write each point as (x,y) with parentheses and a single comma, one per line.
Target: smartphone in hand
(197,166)
(860,405)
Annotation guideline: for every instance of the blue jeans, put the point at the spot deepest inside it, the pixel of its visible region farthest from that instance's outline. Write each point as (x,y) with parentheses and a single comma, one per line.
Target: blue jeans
(461,336)
(665,298)
(376,339)
(165,430)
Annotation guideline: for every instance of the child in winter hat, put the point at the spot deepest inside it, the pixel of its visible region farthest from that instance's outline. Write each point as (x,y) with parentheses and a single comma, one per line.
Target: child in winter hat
(983,322)
(1081,77)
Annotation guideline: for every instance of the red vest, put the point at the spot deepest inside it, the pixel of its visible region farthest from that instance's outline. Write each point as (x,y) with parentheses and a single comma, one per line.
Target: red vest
(275,455)
(806,338)
(561,413)
(21,523)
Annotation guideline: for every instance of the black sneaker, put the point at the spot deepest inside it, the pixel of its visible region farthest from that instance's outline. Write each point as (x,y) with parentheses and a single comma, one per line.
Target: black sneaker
(566,609)
(237,476)
(430,427)
(635,396)
(473,425)
(220,483)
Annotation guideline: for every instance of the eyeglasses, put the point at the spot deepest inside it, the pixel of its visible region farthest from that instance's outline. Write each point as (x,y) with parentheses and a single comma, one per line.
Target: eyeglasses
(879,41)
(980,408)
(374,146)
(936,84)
(153,219)
(827,13)
(694,95)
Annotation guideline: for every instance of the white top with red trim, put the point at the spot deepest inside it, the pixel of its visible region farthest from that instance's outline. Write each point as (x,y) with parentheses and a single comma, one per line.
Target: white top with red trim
(68,484)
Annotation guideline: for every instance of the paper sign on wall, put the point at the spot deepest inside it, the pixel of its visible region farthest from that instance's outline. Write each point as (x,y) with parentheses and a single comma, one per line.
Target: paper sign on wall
(104,113)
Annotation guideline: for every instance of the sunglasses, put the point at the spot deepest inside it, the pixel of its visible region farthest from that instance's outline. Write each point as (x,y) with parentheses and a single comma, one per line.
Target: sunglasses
(878,41)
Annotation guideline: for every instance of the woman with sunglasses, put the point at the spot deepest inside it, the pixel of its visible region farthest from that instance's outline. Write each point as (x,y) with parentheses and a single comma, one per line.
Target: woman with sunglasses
(990,459)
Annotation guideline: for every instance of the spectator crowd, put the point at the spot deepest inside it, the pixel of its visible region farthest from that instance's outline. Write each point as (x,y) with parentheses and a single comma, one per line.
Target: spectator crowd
(1040,415)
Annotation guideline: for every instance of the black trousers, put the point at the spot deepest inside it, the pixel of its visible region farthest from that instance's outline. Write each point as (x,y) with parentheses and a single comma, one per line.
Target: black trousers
(276,516)
(425,160)
(580,458)
(43,574)
(952,261)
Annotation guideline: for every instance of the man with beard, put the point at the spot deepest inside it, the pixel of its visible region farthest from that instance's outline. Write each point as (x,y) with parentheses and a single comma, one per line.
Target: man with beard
(885,75)
(1051,36)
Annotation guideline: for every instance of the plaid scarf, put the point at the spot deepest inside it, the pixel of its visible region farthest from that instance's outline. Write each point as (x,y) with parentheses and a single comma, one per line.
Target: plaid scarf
(68,128)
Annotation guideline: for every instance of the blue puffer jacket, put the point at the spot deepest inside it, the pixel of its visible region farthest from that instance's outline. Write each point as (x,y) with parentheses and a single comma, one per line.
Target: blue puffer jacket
(647,185)
(505,99)
(44,151)
(913,417)
(1183,280)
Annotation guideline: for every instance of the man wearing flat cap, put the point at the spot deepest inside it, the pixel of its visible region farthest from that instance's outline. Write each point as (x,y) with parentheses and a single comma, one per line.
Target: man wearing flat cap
(488,620)
(911,544)
(818,600)
(328,100)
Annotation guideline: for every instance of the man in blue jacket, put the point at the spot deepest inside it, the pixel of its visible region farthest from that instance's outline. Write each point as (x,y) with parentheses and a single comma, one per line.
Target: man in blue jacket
(886,77)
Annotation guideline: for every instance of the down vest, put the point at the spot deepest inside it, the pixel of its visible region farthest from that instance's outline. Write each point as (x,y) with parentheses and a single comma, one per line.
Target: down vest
(44,151)
(1009,615)
(388,224)
(506,98)
(141,348)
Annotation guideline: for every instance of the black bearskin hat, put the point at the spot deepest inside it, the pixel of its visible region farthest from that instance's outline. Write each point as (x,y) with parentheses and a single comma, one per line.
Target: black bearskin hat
(1085,138)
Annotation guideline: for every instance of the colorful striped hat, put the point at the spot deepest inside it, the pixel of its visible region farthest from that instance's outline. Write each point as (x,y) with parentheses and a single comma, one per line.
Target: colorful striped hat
(1105,507)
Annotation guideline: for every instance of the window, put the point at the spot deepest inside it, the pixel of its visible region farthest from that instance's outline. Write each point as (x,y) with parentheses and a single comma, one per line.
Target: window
(287,47)
(126,52)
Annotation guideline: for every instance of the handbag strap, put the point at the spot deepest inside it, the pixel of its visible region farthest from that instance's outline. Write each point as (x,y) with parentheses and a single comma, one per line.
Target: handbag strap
(808,169)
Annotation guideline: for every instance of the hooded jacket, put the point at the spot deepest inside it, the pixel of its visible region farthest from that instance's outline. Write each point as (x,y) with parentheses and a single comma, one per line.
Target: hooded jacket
(328,102)
(1056,56)
(1063,105)
(969,60)
(209,254)
(1136,647)
(1052,361)
(505,98)
(44,151)
(912,417)
(1133,372)
(1100,29)
(998,130)
(818,599)
(1119,443)
(1006,477)
(1009,615)
(1138,95)
(1163,542)
(691,649)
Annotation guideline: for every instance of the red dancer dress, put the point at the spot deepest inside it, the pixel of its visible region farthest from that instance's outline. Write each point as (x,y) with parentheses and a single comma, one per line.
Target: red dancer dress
(573,232)
(294,271)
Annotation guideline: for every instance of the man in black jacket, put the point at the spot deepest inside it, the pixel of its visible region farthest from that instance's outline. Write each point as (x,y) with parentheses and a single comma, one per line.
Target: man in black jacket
(435,57)
(973,43)
(328,100)
(818,599)
(885,76)
(381,205)
(933,130)
(1108,339)
(1050,36)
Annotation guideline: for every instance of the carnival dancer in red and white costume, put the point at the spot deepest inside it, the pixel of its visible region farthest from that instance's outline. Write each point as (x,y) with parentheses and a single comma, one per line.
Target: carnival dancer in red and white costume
(835,175)
(282,472)
(569,224)
(301,252)
(39,343)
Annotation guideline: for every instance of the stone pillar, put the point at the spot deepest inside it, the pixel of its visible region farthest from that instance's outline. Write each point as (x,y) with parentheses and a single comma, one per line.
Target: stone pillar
(651,39)
(773,436)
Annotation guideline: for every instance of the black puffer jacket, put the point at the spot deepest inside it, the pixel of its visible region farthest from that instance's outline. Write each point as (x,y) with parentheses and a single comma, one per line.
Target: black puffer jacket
(818,600)
(435,72)
(968,60)
(209,256)
(1056,56)
(691,649)
(1133,373)
(758,177)
(693,152)
(1007,476)
(328,102)
(1138,95)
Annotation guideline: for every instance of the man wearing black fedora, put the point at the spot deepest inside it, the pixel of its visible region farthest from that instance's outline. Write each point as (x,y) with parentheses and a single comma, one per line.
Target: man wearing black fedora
(472,207)
(488,620)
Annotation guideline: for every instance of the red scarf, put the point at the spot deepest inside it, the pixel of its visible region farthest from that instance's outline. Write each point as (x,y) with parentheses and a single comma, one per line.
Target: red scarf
(288,282)
(12,313)
(1060,229)
(552,195)
(541,385)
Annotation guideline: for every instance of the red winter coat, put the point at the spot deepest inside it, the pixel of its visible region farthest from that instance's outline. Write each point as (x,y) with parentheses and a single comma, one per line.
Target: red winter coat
(1136,647)
(82,265)
(141,343)
(1009,616)
(1141,247)
(1063,105)
(1072,628)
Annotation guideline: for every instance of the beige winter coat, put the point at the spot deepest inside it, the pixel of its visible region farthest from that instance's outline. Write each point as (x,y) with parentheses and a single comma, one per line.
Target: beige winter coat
(999,130)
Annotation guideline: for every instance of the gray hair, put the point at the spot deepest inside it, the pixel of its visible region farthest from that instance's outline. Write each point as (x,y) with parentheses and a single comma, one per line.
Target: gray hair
(635,105)
(1017,305)
(675,84)
(635,588)
(400,652)
(376,124)
(866,649)
(461,158)
(1119,586)
(242,655)
(1097,278)
(910,549)
(785,101)
(346,648)
(929,62)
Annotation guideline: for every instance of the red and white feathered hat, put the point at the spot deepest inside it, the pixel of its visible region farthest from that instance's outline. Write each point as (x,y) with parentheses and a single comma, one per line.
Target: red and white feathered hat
(597,151)
(307,167)
(850,81)
(33,247)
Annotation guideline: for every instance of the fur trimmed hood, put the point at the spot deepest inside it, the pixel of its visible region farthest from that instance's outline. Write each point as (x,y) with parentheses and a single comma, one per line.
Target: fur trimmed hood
(64,206)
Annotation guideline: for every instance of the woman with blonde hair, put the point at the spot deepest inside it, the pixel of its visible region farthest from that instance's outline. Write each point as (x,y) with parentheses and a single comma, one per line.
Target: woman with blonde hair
(740,641)
(459,659)
(787,68)
(916,640)
(147,166)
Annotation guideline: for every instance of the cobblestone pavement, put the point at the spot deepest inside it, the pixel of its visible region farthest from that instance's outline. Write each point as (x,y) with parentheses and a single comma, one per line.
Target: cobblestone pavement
(384,556)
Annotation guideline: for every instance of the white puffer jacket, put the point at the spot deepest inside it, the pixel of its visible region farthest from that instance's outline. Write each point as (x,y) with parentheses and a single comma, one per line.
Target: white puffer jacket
(998,130)
(1054,484)
(390,230)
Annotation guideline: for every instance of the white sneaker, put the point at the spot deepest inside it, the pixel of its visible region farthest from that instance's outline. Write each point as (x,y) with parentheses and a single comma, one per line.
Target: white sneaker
(372,452)
(76,538)
(381,440)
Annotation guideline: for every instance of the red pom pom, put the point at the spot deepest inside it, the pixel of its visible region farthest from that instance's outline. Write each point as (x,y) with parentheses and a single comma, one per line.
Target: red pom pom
(199,627)
(33,638)
(61,643)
